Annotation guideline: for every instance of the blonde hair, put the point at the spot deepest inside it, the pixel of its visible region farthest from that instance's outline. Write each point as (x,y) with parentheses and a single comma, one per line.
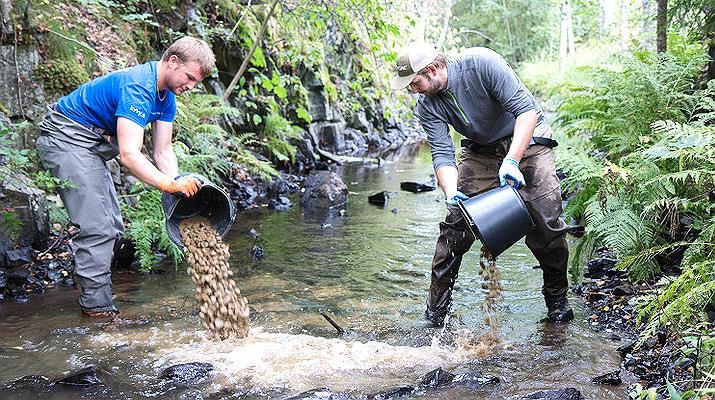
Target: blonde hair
(189,49)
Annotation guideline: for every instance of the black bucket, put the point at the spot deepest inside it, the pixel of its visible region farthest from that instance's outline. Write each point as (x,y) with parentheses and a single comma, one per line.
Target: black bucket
(498,218)
(211,202)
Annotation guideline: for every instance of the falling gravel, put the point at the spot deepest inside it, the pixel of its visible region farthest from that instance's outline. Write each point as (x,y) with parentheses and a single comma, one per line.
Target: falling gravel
(222,309)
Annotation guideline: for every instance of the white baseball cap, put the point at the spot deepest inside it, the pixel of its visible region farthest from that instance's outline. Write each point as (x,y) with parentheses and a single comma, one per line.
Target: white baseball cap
(411,59)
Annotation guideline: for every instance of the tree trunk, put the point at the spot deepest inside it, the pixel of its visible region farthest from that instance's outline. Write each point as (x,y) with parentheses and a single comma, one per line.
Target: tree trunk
(662,27)
(566,44)
(508,32)
(624,25)
(648,27)
(711,53)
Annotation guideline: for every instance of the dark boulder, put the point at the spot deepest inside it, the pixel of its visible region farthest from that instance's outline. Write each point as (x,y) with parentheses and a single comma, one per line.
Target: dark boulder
(88,376)
(612,378)
(623,290)
(19,257)
(601,266)
(379,199)
(561,394)
(324,189)
(415,187)
(436,378)
(186,374)
(24,220)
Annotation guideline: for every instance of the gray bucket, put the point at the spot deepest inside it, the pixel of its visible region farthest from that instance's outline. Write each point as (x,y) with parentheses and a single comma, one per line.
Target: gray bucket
(498,218)
(211,202)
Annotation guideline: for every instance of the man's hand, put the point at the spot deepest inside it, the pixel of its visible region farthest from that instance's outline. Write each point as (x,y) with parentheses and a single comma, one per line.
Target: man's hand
(510,170)
(452,197)
(187,185)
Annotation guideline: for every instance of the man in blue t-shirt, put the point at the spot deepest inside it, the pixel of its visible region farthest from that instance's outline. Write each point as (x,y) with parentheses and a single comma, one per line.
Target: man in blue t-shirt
(104,118)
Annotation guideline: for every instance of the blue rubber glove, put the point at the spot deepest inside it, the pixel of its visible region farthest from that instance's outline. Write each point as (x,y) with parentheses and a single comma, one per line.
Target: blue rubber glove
(510,170)
(452,197)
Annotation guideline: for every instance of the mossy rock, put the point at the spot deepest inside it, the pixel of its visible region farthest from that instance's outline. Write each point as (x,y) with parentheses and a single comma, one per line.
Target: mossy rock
(61,76)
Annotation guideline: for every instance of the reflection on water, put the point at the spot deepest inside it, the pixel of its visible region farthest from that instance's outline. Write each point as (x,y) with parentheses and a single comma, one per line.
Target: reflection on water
(367,267)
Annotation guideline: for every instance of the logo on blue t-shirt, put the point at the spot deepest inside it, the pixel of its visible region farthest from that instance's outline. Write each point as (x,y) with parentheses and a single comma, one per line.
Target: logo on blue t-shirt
(129,93)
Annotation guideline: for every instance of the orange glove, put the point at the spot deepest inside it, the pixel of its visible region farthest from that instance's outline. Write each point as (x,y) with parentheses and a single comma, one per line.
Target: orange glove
(187,185)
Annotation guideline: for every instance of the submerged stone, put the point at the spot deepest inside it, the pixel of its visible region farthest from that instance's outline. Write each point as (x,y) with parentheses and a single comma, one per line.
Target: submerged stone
(320,394)
(474,376)
(28,382)
(186,374)
(392,393)
(87,376)
(561,394)
(282,203)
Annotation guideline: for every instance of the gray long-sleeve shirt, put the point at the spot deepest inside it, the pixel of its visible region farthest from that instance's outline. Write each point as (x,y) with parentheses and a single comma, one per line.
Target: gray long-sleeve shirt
(482,100)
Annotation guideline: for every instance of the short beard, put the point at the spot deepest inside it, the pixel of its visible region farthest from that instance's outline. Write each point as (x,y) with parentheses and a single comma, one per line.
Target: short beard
(435,86)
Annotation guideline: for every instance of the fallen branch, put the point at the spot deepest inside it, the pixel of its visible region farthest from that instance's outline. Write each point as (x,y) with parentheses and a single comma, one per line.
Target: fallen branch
(330,320)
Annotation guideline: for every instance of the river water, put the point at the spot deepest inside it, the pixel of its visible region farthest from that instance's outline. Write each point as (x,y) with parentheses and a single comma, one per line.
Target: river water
(368,268)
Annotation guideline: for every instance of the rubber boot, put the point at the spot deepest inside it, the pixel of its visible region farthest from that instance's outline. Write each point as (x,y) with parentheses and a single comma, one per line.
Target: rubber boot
(558,309)
(436,318)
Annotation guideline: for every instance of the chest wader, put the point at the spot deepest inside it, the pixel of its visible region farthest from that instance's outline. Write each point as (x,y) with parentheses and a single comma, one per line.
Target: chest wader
(78,154)
(478,172)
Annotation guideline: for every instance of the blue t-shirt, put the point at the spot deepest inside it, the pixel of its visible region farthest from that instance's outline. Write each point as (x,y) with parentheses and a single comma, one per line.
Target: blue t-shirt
(129,93)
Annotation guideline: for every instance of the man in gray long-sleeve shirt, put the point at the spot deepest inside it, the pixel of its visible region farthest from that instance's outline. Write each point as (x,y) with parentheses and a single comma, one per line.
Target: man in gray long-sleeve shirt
(507,140)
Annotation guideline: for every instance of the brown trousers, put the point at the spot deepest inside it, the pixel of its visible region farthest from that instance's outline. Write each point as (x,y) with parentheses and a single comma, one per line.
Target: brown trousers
(542,195)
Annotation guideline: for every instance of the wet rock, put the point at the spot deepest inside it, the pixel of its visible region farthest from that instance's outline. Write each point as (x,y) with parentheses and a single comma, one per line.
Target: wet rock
(19,257)
(324,189)
(601,266)
(359,121)
(477,377)
(379,199)
(28,382)
(257,253)
(320,394)
(21,281)
(330,135)
(612,378)
(87,376)
(392,393)
(561,394)
(282,203)
(436,378)
(186,374)
(415,187)
(626,349)
(623,290)
(28,207)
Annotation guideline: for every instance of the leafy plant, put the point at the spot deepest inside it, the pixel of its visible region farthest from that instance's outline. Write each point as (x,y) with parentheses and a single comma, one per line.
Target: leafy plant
(147,228)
